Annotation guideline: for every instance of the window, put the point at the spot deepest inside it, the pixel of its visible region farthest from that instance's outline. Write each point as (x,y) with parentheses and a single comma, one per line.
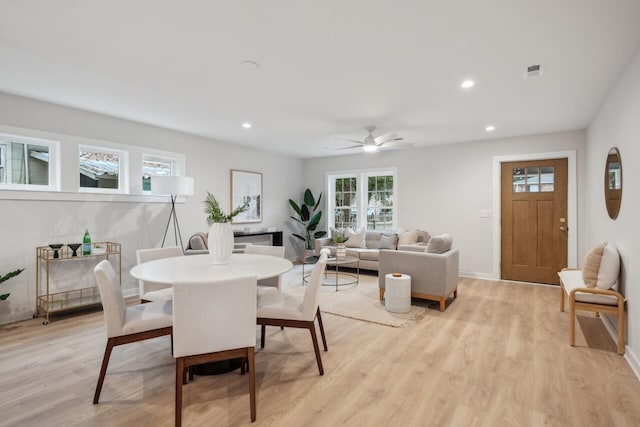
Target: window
(155,166)
(380,202)
(101,169)
(533,180)
(364,198)
(345,210)
(26,163)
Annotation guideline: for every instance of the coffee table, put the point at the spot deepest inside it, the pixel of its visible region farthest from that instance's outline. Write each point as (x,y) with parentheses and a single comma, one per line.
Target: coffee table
(349,278)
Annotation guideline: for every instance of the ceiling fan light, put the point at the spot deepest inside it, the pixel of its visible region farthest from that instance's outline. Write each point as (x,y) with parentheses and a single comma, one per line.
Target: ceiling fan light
(370,148)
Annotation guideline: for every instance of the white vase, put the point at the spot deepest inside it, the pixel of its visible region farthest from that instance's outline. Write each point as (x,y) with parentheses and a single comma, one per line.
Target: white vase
(220,242)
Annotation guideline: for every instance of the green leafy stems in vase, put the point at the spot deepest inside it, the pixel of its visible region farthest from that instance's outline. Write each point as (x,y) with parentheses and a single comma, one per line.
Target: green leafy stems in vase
(214,211)
(339,239)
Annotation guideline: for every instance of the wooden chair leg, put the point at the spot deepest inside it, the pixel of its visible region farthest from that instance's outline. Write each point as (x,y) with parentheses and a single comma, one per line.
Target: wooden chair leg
(561,299)
(381,294)
(103,369)
(190,371)
(252,382)
(324,339)
(243,366)
(442,303)
(314,338)
(179,376)
(620,328)
(262,334)
(572,323)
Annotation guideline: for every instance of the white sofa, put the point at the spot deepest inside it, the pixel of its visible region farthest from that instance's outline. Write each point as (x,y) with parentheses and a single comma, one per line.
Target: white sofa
(369,255)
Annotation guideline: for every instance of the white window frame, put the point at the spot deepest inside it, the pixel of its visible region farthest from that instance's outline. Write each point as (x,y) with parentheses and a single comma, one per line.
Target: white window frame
(177,164)
(53,163)
(362,176)
(123,168)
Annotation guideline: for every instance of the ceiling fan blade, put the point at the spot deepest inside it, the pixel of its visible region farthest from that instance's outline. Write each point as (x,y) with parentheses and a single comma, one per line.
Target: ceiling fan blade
(392,144)
(350,140)
(349,148)
(385,138)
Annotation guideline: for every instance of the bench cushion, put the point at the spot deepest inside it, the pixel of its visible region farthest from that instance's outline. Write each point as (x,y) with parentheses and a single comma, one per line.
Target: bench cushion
(572,279)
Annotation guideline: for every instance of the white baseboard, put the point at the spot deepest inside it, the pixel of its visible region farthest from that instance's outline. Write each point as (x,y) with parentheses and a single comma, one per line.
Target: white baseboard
(629,356)
(17,316)
(474,275)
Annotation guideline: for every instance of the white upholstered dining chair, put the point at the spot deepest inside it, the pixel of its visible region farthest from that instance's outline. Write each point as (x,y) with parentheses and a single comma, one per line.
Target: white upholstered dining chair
(202,334)
(281,309)
(150,291)
(127,324)
(277,251)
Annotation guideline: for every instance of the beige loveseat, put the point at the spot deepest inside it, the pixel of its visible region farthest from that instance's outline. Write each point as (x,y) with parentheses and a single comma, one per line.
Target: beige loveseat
(373,239)
(434,276)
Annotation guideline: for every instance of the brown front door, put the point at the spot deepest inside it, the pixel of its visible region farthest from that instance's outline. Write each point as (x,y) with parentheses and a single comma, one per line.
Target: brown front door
(534,220)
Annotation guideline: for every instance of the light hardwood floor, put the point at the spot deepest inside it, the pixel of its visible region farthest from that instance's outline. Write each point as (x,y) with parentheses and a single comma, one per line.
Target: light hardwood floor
(498,356)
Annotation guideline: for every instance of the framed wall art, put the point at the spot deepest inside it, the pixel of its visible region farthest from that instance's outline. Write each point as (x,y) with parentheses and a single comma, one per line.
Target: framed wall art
(246,186)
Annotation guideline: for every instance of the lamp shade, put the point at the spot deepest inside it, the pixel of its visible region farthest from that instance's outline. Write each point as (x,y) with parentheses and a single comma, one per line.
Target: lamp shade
(172,185)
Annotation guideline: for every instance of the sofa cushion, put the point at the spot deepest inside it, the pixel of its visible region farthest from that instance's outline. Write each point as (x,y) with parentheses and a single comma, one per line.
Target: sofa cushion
(601,267)
(388,241)
(355,239)
(439,244)
(407,237)
(369,254)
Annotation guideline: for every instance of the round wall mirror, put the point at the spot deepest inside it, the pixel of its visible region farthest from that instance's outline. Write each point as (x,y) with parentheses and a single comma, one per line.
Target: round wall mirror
(613,183)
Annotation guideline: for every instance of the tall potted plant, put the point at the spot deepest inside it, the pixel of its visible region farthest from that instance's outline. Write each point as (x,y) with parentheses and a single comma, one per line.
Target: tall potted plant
(220,238)
(308,218)
(7,277)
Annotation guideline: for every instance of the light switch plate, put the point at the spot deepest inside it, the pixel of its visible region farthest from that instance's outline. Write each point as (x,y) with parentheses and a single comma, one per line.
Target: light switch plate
(485,213)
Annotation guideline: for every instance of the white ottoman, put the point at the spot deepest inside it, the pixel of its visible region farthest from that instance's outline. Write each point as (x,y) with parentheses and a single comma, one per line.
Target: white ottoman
(397,293)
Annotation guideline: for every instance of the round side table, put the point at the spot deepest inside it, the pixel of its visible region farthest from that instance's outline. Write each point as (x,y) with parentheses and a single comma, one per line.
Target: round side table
(397,293)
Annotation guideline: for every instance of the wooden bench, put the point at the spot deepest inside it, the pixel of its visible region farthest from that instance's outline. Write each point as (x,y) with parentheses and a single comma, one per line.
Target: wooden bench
(590,299)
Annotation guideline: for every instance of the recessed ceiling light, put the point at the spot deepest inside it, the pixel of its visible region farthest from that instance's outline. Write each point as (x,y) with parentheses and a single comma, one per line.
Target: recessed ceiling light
(490,128)
(467,84)
(246,125)
(250,65)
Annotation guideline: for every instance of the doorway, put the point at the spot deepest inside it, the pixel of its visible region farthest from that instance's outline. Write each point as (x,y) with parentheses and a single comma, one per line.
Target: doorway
(534,221)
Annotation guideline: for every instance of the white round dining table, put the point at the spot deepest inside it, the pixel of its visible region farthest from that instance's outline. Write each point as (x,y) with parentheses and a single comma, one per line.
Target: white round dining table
(200,268)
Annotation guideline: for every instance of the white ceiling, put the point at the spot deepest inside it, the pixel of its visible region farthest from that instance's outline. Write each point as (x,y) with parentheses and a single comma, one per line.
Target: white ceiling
(327,68)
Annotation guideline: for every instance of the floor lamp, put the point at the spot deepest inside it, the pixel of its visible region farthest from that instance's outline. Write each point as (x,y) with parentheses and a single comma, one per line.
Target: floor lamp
(172,186)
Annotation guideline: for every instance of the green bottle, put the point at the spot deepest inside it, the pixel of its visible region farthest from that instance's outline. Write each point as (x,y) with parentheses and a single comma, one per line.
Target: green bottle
(86,243)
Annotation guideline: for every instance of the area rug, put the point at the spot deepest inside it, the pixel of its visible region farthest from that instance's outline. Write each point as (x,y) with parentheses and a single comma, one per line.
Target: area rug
(360,302)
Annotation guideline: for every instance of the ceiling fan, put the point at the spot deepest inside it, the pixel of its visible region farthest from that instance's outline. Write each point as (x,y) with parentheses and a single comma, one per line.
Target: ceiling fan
(371,143)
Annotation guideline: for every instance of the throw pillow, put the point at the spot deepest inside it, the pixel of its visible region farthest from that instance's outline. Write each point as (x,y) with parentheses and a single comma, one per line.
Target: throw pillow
(388,241)
(439,244)
(355,239)
(407,237)
(591,266)
(601,267)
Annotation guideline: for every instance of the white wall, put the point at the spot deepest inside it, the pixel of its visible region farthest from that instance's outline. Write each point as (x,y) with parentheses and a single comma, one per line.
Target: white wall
(442,188)
(26,224)
(617,124)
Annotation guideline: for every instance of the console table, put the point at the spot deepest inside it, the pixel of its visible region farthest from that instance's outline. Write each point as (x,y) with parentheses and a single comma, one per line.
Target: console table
(276,236)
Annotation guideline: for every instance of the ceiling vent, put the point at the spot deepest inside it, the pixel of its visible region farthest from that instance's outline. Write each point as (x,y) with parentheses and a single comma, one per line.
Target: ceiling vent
(534,70)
